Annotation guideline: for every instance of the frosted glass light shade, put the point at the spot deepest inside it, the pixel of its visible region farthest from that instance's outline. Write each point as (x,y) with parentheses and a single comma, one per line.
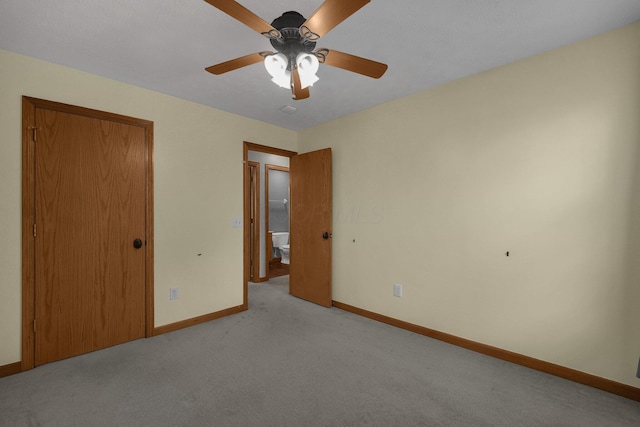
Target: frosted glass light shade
(283,80)
(307,69)
(276,66)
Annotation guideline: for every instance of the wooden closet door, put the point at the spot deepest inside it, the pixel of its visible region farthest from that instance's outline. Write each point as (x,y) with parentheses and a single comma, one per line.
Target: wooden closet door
(89,208)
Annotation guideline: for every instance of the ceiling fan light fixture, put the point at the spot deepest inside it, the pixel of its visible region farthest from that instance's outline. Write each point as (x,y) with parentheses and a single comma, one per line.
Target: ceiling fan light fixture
(307,68)
(294,37)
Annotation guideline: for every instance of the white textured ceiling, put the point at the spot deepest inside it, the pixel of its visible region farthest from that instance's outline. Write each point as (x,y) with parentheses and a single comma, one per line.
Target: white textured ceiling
(164,45)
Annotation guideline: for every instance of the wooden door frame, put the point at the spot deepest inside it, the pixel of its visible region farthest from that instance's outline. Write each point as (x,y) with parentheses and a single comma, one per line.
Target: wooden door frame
(255,203)
(250,146)
(29,106)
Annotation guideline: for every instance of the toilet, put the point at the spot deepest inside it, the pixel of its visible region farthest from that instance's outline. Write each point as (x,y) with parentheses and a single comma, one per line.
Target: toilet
(280,241)
(284,253)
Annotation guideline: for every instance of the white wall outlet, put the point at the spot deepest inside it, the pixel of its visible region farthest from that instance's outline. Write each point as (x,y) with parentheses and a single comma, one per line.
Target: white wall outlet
(173,294)
(237,222)
(397,290)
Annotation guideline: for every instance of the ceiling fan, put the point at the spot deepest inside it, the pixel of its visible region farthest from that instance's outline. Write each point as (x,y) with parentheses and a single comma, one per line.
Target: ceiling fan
(295,63)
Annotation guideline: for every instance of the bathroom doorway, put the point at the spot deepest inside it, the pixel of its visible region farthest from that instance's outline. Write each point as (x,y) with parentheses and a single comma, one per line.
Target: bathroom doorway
(277,219)
(266,205)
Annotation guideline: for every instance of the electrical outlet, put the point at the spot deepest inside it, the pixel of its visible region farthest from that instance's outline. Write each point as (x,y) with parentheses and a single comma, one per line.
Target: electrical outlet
(397,290)
(173,294)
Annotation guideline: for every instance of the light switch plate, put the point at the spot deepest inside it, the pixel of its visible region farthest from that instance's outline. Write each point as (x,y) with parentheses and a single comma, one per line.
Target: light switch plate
(397,290)
(237,222)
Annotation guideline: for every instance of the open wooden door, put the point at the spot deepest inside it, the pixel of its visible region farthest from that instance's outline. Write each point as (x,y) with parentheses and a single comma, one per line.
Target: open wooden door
(310,238)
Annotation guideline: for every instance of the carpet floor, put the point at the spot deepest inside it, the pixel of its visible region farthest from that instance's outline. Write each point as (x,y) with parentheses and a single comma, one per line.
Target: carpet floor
(286,362)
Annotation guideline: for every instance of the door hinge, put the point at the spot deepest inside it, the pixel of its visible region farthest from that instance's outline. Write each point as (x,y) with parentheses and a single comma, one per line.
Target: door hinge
(34,129)
(34,230)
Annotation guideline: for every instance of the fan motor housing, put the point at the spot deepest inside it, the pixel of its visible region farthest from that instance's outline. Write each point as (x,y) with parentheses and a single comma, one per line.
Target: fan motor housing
(292,43)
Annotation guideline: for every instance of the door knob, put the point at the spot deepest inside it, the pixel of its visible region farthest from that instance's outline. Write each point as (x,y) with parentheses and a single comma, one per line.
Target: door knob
(326,235)
(137,243)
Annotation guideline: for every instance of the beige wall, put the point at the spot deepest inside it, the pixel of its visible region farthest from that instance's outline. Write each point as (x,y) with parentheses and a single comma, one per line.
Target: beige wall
(198,188)
(539,158)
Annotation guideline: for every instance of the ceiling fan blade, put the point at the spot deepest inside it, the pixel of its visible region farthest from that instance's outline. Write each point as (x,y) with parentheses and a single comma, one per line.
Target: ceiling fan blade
(296,88)
(328,15)
(244,15)
(234,64)
(353,63)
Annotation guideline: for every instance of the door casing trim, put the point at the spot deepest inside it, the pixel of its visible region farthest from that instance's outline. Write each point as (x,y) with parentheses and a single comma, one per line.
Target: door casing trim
(254,208)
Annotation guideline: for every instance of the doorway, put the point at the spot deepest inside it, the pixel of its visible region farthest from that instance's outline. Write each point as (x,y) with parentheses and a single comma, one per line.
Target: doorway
(277,219)
(87,230)
(257,158)
(310,223)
